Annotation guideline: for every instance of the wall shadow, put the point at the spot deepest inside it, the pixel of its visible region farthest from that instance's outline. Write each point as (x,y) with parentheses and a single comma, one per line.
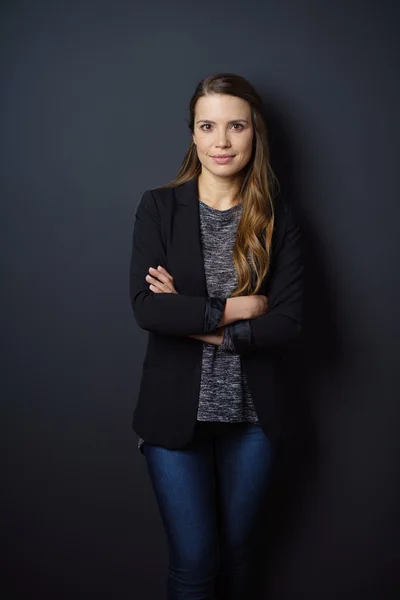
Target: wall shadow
(319,348)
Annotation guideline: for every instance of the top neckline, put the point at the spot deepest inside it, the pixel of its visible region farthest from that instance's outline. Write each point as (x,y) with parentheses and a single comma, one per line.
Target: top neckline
(217,210)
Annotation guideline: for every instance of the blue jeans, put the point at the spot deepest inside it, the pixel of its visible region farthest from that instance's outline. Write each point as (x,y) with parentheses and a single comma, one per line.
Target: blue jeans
(211,495)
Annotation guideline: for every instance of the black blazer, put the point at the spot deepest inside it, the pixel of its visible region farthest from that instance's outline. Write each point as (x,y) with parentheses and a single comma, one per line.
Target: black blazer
(166,232)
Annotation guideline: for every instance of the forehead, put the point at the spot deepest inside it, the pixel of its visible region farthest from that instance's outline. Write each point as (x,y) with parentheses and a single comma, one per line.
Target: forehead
(220,107)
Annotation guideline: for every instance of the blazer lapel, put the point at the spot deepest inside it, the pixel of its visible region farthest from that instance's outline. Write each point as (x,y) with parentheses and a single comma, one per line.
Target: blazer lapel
(188,262)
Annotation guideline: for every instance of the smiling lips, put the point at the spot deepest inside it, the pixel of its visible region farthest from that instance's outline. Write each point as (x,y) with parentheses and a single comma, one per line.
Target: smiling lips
(222,158)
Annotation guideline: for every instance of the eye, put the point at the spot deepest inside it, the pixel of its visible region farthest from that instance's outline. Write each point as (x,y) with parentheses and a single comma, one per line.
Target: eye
(209,125)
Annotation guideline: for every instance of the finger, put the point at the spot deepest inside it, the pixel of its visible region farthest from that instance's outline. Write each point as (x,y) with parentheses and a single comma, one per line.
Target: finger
(155,283)
(165,272)
(161,276)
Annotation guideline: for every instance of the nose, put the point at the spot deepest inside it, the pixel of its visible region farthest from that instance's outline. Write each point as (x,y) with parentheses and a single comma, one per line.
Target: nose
(222,139)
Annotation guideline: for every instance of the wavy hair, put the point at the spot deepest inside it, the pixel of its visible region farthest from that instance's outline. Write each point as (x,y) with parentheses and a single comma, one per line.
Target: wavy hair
(252,248)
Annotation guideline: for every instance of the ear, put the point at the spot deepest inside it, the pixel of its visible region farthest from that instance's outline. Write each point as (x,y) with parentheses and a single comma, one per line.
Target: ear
(194,141)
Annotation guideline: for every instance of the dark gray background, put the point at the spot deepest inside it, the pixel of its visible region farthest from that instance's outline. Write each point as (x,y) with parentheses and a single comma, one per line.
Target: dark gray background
(93,112)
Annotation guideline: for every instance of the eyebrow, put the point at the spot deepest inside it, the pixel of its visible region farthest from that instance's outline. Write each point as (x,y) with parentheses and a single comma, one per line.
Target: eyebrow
(213,122)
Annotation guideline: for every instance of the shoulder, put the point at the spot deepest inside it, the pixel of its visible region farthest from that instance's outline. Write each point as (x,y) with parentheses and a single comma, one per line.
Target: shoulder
(162,191)
(159,197)
(155,200)
(285,222)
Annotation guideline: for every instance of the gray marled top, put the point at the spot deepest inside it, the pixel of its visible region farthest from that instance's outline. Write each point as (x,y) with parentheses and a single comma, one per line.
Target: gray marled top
(224,393)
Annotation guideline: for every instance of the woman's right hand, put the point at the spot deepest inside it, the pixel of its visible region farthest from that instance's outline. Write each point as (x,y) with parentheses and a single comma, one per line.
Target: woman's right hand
(254,306)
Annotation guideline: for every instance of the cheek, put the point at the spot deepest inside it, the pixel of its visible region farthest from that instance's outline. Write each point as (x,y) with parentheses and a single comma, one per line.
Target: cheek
(199,141)
(246,148)
(246,144)
(202,146)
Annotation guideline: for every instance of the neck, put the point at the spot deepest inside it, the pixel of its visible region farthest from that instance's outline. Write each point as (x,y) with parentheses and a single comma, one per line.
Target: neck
(219,192)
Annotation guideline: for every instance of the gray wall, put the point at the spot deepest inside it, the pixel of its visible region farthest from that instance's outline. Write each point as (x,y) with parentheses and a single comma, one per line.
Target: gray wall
(93,112)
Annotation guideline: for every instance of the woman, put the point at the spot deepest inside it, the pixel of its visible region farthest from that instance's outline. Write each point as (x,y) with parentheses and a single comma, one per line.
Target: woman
(216,279)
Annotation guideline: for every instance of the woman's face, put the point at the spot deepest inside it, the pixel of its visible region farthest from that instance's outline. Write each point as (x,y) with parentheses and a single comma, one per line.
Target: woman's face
(223,126)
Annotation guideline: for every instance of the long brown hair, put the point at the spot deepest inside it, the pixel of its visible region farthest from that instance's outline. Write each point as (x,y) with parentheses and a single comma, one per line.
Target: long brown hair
(251,251)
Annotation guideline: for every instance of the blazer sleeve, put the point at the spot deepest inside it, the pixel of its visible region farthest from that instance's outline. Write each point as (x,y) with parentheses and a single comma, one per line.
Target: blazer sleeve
(283,321)
(170,314)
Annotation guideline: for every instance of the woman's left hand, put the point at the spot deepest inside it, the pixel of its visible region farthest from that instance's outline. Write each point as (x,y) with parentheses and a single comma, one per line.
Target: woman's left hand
(161,282)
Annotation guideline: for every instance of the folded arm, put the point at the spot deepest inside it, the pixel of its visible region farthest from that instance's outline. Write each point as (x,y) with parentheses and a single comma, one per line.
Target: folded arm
(171,314)
(283,321)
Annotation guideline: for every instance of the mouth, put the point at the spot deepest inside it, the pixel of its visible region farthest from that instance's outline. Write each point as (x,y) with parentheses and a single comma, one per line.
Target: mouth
(222,158)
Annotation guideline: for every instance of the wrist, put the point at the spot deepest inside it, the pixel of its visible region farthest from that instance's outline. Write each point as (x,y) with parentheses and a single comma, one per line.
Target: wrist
(235,310)
(240,308)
